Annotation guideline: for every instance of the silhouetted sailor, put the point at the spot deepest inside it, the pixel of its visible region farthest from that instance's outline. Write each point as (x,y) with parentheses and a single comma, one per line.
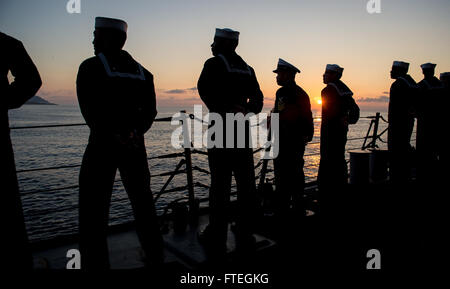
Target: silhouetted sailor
(442,122)
(14,59)
(338,111)
(228,85)
(401,121)
(296,130)
(428,129)
(117,100)
(445,79)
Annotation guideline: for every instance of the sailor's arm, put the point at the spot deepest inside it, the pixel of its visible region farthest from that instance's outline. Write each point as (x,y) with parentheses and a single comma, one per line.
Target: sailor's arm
(306,116)
(92,109)
(148,110)
(209,86)
(398,96)
(27,80)
(256,100)
(330,102)
(290,111)
(299,114)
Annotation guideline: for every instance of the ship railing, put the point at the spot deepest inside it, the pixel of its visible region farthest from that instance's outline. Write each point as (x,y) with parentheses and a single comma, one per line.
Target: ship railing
(185,165)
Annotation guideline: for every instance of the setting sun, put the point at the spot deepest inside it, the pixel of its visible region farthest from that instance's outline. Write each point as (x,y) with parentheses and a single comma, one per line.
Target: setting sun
(319,101)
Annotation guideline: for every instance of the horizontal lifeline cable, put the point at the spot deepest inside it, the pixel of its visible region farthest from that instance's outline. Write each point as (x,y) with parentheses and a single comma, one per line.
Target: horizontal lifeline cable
(164,119)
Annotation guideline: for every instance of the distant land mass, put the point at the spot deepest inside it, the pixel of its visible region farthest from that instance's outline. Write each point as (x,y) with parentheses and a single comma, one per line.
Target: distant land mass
(38,100)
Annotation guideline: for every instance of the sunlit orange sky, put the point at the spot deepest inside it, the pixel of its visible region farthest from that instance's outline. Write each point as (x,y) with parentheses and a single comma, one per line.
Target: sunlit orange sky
(172,39)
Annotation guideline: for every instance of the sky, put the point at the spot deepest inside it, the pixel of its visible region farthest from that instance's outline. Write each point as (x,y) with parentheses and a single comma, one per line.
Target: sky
(172,38)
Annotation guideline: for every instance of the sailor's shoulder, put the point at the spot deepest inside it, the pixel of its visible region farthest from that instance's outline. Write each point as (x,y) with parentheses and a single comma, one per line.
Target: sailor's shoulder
(90,62)
(436,82)
(331,88)
(282,91)
(300,91)
(294,92)
(399,83)
(148,75)
(242,64)
(406,81)
(214,65)
(302,95)
(239,59)
(214,61)
(252,71)
(9,41)
(342,86)
(90,68)
(11,47)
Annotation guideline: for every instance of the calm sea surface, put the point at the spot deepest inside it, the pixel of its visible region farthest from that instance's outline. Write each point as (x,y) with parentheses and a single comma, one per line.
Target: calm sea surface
(53,213)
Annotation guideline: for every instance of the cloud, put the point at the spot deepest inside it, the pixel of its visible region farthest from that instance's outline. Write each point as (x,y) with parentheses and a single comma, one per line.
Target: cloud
(181,91)
(382,98)
(192,99)
(175,91)
(176,98)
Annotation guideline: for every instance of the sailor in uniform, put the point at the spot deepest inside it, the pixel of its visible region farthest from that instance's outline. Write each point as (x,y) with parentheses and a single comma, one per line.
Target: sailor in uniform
(442,138)
(117,99)
(296,130)
(401,121)
(428,126)
(228,85)
(337,102)
(14,59)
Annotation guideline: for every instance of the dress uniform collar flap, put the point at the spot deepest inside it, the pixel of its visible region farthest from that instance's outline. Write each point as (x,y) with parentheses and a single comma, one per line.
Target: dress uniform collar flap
(431,86)
(235,70)
(408,81)
(140,75)
(342,91)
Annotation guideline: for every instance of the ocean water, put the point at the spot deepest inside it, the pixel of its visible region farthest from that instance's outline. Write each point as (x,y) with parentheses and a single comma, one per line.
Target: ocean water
(50,196)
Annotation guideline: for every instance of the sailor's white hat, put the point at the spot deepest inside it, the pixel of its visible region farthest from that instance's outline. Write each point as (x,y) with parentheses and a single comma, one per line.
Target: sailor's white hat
(401,64)
(284,65)
(334,68)
(227,33)
(104,22)
(428,65)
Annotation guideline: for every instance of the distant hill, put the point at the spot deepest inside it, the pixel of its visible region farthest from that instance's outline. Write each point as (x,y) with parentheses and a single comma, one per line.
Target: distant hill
(38,100)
